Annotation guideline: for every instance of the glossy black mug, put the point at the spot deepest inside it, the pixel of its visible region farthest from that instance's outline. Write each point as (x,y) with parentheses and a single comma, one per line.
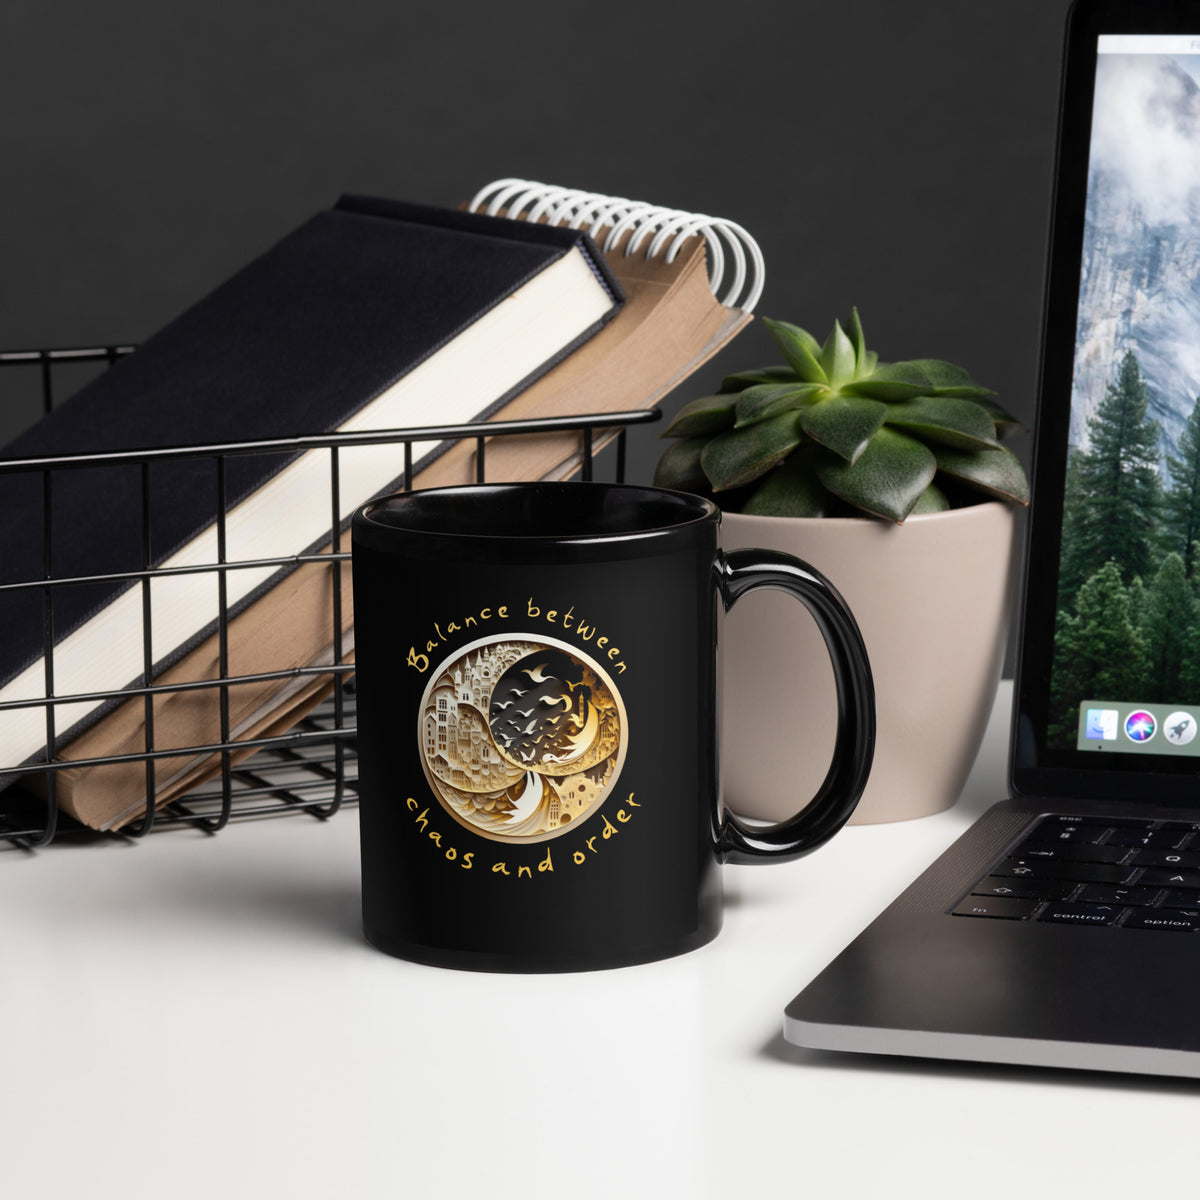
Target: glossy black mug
(537,723)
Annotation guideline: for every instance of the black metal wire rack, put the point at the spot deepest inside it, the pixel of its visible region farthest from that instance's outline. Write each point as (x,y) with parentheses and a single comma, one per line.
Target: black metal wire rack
(312,767)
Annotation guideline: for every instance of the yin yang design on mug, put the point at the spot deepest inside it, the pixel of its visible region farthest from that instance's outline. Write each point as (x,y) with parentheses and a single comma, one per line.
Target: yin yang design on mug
(521,738)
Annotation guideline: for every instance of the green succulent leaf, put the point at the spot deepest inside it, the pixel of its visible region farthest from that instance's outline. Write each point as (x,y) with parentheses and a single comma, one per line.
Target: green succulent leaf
(891,382)
(946,420)
(860,342)
(767,400)
(702,417)
(791,490)
(680,468)
(996,471)
(844,424)
(744,455)
(932,500)
(949,380)
(834,427)
(800,348)
(886,480)
(838,357)
(1006,424)
(744,379)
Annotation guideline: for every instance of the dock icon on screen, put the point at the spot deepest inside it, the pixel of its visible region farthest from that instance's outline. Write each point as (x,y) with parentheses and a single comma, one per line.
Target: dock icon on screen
(1102,724)
(1179,728)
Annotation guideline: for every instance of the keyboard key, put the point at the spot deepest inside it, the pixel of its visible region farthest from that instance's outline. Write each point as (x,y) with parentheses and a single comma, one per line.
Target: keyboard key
(1057,820)
(1036,868)
(1168,877)
(1083,853)
(1061,834)
(1180,859)
(1106,822)
(1028,889)
(1081,914)
(1181,899)
(1102,893)
(1005,908)
(1154,839)
(1157,918)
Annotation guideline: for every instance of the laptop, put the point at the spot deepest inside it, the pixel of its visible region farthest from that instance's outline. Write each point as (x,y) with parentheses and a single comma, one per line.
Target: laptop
(1063,928)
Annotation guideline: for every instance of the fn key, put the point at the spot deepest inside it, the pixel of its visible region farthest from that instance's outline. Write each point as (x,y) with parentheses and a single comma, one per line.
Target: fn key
(997,906)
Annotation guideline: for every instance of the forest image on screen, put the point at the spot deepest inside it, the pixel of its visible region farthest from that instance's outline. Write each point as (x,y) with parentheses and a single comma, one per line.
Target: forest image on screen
(1128,621)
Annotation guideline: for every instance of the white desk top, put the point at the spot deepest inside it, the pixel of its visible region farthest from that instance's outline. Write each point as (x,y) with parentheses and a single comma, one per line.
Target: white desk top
(182,1020)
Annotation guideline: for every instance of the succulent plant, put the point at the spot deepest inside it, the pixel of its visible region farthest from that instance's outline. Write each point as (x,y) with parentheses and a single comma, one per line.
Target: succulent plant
(836,432)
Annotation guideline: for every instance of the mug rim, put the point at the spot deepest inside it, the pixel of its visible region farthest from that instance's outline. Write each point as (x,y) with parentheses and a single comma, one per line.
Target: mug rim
(702,512)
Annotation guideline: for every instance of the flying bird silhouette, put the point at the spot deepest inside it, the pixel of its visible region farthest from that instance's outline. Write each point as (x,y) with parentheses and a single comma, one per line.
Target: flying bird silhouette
(535,673)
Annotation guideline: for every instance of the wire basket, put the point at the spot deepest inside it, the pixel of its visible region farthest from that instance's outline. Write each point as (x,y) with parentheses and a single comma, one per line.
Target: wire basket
(311,768)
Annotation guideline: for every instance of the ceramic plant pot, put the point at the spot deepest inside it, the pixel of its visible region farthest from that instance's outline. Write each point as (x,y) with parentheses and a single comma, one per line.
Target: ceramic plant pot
(932,598)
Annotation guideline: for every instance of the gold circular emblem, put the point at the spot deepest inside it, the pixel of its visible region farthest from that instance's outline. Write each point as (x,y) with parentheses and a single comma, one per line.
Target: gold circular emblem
(521,737)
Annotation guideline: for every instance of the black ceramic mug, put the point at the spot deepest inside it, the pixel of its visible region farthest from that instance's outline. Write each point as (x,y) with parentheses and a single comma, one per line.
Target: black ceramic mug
(537,723)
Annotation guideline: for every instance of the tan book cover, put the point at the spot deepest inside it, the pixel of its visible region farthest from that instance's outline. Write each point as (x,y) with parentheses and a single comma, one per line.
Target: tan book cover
(670,325)
(290,627)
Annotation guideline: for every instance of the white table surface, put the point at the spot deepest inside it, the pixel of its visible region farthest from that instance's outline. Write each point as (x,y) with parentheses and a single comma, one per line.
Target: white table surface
(188,1016)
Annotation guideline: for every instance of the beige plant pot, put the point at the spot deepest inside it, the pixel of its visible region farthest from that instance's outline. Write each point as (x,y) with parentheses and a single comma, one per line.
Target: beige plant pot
(932,598)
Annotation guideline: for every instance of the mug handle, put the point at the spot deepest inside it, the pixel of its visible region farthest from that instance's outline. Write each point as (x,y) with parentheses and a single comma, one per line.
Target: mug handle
(743,571)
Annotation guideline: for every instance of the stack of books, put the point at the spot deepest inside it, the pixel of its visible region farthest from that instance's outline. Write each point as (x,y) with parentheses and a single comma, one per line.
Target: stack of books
(373,316)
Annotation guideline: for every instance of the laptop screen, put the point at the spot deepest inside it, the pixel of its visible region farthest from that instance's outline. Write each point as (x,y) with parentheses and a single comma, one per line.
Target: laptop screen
(1126,667)
(1111,675)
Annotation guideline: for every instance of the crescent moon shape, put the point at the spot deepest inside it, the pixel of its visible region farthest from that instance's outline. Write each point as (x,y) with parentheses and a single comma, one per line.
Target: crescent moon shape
(578,745)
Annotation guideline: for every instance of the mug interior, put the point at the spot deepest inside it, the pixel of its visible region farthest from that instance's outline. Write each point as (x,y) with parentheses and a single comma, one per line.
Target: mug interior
(539,510)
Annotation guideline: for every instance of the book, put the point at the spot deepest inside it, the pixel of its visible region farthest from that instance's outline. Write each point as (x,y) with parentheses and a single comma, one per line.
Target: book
(288,629)
(673,321)
(372,315)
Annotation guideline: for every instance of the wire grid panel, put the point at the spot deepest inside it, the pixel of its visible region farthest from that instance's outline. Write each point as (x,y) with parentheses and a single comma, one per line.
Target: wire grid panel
(311,767)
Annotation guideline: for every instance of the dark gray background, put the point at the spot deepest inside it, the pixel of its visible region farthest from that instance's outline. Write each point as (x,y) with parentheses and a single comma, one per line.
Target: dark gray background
(892,155)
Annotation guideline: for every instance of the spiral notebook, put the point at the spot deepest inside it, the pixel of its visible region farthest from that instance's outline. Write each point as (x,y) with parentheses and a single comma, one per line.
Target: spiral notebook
(690,281)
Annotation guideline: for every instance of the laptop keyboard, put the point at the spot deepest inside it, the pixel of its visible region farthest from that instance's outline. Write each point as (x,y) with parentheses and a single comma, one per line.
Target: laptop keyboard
(1096,871)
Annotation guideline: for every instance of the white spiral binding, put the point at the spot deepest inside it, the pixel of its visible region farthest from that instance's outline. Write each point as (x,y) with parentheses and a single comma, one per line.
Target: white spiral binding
(530,201)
